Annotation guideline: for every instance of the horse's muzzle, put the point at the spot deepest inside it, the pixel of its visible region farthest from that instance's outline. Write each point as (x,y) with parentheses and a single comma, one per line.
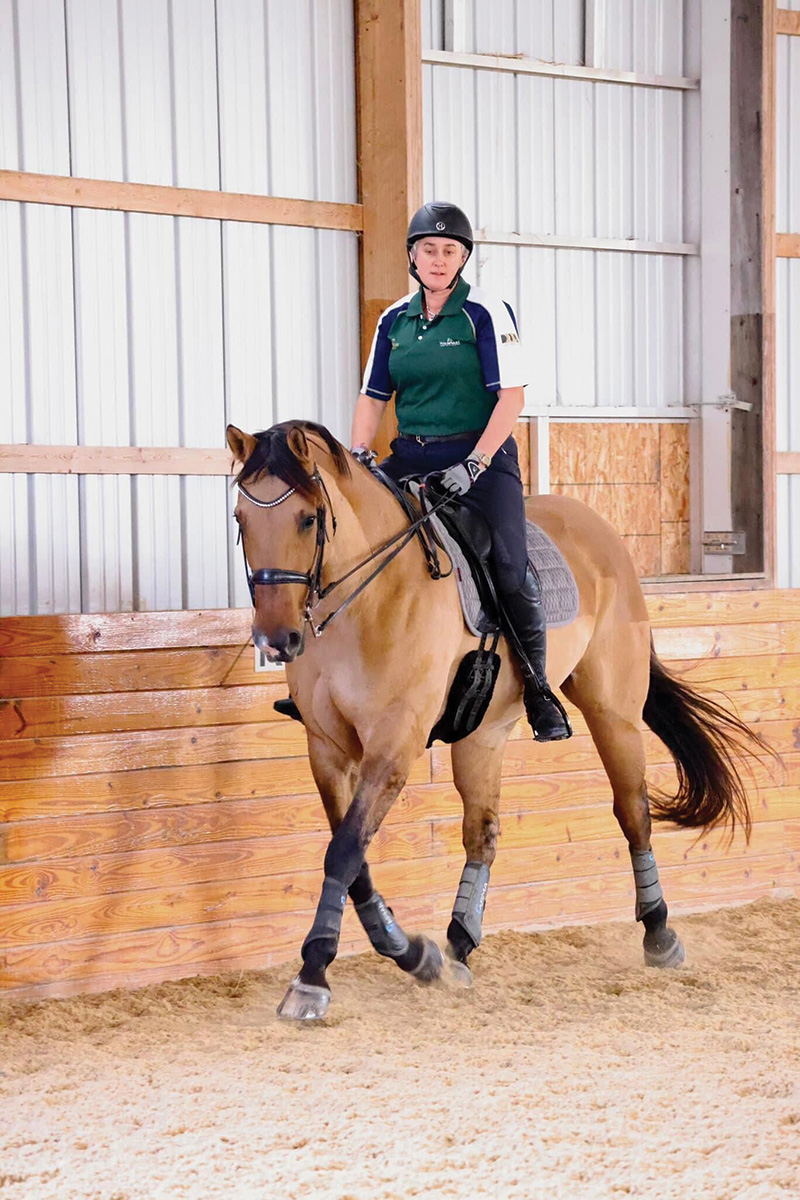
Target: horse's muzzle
(283,645)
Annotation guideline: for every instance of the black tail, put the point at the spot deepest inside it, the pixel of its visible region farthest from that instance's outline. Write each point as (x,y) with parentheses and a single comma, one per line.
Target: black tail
(705,740)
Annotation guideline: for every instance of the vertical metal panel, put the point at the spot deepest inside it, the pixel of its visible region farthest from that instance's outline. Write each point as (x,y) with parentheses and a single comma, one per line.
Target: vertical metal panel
(575,327)
(95,89)
(537,321)
(787,215)
(101,313)
(9,117)
(432,24)
(574,158)
(496,157)
(551,30)
(788,531)
(146,91)
(192,32)
(453,145)
(644,36)
(15,561)
(535,153)
(286,129)
(787,375)
(43,87)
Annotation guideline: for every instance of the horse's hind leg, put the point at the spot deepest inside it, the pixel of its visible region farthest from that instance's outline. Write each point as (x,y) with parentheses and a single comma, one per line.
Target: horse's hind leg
(477,762)
(613,714)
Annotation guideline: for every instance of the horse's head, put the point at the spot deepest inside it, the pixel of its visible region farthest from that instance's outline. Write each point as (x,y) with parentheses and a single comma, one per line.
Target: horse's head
(283,516)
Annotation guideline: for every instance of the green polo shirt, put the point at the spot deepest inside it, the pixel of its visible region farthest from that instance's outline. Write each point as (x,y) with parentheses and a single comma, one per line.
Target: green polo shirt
(446,372)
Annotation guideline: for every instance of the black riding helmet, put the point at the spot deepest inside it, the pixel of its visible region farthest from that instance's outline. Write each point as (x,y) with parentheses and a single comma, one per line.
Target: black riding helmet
(439,219)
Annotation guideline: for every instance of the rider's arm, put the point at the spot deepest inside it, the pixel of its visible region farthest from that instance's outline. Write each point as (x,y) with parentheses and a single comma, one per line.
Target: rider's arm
(506,412)
(366,419)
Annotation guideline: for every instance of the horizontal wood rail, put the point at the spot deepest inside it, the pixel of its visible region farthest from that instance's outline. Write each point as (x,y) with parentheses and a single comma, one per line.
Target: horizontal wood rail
(787,245)
(532,66)
(788,462)
(178,202)
(24,459)
(787,21)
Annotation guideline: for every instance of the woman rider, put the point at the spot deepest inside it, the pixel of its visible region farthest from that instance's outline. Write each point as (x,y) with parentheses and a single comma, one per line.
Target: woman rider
(451,354)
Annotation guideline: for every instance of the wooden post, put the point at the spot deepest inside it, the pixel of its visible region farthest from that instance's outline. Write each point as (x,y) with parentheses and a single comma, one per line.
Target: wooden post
(389,80)
(752,307)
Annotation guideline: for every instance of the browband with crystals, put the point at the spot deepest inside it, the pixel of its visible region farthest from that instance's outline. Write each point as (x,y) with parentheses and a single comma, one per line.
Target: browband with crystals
(265,503)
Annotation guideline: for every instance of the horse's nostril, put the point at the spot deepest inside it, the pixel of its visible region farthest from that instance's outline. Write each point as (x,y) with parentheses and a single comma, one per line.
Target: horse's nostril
(293,641)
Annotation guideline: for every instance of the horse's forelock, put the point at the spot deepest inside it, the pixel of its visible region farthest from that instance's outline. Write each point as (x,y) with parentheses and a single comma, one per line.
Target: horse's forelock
(274,456)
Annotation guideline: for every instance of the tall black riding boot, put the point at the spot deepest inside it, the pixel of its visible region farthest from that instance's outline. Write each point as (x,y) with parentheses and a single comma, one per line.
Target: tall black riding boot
(525,614)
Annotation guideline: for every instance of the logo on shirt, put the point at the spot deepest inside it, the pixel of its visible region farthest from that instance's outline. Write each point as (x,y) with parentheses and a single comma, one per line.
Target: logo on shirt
(508,337)
(395,345)
(449,342)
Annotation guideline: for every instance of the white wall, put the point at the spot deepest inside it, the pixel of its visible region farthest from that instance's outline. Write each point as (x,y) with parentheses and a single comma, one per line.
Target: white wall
(134,329)
(581,159)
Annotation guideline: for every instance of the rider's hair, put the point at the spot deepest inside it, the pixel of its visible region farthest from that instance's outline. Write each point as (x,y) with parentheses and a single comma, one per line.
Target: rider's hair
(274,456)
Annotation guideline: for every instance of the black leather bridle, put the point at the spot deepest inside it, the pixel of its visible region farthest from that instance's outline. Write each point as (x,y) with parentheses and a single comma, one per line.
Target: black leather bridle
(312,579)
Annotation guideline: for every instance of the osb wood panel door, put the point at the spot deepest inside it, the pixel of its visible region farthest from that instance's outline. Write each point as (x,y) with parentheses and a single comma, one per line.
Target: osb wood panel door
(636,475)
(157,819)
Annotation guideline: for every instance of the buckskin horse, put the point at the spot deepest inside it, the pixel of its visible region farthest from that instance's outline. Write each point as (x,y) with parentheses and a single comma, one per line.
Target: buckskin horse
(324,539)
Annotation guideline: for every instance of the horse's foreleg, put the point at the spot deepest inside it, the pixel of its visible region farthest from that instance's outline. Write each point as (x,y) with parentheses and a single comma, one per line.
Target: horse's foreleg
(379,782)
(620,746)
(477,762)
(335,773)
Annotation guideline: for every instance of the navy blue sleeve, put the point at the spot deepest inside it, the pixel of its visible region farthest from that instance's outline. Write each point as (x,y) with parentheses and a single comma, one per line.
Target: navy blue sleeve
(377,381)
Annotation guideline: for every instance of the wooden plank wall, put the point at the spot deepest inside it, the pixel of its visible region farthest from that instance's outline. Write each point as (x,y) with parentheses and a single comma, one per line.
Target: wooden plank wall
(636,475)
(158,820)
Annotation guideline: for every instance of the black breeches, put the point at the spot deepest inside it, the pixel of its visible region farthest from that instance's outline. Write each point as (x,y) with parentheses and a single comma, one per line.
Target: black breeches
(497,495)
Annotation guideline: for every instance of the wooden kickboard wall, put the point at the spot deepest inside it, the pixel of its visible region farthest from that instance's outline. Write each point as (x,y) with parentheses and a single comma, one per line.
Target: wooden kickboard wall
(158,820)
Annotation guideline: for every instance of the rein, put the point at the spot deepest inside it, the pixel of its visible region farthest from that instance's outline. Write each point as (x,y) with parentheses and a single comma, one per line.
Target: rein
(313,578)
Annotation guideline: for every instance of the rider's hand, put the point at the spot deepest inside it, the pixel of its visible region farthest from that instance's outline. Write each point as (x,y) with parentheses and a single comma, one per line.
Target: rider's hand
(457,480)
(364,455)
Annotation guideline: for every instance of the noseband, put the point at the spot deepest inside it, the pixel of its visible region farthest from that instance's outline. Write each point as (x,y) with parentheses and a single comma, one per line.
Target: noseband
(275,575)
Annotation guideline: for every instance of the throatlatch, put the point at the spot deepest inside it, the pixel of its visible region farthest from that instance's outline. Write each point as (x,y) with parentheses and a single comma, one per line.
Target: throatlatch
(648,889)
(471,899)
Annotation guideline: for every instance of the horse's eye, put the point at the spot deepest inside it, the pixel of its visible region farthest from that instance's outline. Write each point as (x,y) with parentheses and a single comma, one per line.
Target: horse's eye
(308,523)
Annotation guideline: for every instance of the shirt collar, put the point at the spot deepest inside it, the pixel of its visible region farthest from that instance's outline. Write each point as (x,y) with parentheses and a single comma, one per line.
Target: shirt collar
(452,305)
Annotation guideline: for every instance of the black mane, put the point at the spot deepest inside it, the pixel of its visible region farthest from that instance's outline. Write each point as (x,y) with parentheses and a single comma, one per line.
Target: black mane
(273,456)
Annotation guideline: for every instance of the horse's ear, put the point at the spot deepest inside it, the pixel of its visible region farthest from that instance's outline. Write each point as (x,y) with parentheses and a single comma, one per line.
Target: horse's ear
(241,445)
(297,442)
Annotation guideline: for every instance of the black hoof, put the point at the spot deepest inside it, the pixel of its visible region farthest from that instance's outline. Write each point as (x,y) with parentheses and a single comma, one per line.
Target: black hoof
(663,948)
(431,962)
(459,944)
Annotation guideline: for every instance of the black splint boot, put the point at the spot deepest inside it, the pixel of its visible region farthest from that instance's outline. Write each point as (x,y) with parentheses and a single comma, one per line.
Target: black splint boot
(525,614)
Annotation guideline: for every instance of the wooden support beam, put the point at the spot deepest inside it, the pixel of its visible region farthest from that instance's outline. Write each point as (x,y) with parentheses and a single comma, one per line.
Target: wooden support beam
(20,458)
(177,202)
(787,21)
(787,245)
(389,75)
(751,256)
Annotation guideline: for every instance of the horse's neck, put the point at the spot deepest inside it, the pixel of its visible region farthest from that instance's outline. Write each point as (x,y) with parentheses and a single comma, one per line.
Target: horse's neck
(367,515)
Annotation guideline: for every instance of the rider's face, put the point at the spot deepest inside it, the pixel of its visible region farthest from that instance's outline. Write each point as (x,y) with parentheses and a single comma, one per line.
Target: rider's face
(437,259)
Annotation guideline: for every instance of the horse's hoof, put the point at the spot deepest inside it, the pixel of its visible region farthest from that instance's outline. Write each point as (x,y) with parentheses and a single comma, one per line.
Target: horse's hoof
(431,965)
(304,1002)
(663,949)
(456,974)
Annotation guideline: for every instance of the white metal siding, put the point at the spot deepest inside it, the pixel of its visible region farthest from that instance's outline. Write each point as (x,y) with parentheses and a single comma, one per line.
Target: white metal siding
(247,95)
(787,115)
(544,156)
(134,329)
(171,327)
(551,30)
